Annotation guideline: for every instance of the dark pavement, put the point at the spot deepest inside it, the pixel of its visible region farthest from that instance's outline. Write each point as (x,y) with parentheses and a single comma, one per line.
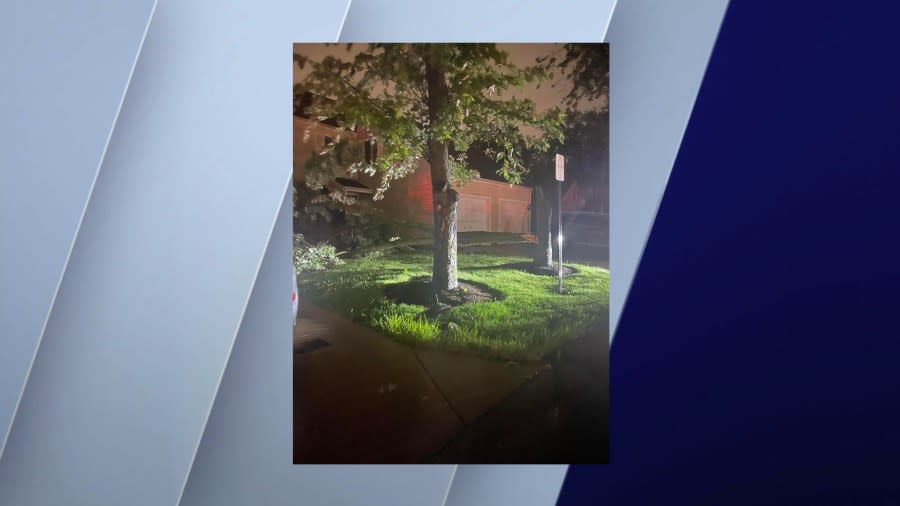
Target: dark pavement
(360,397)
(560,416)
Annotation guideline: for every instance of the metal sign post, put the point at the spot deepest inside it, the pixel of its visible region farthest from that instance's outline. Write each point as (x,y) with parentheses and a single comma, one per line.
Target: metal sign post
(560,175)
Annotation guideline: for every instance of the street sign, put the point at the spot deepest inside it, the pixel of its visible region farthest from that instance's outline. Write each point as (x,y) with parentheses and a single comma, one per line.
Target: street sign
(560,175)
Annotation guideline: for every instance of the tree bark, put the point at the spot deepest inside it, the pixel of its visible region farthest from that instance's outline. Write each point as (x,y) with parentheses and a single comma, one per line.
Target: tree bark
(444,202)
(544,253)
(444,199)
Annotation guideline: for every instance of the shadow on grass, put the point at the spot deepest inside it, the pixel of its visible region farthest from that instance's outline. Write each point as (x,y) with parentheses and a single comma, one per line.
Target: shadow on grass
(526,267)
(508,312)
(420,292)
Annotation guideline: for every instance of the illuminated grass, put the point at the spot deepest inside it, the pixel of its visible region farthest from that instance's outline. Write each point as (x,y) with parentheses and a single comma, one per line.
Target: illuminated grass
(530,320)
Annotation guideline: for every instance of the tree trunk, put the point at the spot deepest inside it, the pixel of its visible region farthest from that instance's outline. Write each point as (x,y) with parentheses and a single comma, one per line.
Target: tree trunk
(544,219)
(444,199)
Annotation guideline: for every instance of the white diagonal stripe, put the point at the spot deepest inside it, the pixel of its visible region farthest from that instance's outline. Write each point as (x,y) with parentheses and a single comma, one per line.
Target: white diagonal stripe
(77,229)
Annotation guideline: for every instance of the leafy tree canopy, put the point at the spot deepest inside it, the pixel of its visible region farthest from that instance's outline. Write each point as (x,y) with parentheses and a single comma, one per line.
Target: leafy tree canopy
(385,90)
(586,66)
(585,140)
(585,147)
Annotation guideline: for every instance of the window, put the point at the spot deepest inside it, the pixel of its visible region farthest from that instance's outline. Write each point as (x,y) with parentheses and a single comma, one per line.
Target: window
(350,187)
(303,101)
(371,149)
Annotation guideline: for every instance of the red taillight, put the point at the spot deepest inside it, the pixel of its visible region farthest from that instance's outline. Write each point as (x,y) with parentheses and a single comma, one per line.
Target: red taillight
(293,296)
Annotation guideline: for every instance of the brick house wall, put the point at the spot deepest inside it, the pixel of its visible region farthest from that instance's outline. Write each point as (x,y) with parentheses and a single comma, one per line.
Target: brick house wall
(485,205)
(309,137)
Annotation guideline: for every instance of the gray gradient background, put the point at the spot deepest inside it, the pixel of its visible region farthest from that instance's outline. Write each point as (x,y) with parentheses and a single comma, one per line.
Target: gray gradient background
(181,259)
(60,93)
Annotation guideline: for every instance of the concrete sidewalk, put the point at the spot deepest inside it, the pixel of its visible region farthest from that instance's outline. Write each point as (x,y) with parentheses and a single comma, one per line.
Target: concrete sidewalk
(560,416)
(360,397)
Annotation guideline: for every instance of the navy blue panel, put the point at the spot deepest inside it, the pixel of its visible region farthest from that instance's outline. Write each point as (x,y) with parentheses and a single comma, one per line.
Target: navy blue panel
(757,360)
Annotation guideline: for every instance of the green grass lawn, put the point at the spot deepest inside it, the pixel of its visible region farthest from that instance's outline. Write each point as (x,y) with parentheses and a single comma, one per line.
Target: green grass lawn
(530,320)
(422,240)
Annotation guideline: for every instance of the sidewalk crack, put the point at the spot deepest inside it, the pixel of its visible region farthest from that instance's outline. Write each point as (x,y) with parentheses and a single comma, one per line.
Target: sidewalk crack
(438,388)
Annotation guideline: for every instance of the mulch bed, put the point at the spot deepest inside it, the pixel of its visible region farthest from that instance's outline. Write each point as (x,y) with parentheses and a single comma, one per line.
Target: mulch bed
(419,291)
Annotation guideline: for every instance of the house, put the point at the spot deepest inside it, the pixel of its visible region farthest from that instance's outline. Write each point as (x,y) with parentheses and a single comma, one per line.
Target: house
(484,205)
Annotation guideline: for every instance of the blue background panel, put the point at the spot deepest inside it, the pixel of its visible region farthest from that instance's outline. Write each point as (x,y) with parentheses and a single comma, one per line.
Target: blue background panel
(756,357)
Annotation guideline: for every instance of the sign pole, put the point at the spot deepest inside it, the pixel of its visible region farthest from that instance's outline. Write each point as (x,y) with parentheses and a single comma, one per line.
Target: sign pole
(559,237)
(560,175)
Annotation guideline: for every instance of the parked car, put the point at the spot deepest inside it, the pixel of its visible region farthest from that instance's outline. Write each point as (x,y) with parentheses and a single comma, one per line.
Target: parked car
(295,297)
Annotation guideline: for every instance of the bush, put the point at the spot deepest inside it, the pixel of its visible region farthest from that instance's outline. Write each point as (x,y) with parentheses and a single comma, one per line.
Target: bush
(346,222)
(315,257)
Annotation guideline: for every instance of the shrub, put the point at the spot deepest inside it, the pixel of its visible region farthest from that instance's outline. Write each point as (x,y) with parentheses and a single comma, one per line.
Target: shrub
(315,257)
(347,222)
